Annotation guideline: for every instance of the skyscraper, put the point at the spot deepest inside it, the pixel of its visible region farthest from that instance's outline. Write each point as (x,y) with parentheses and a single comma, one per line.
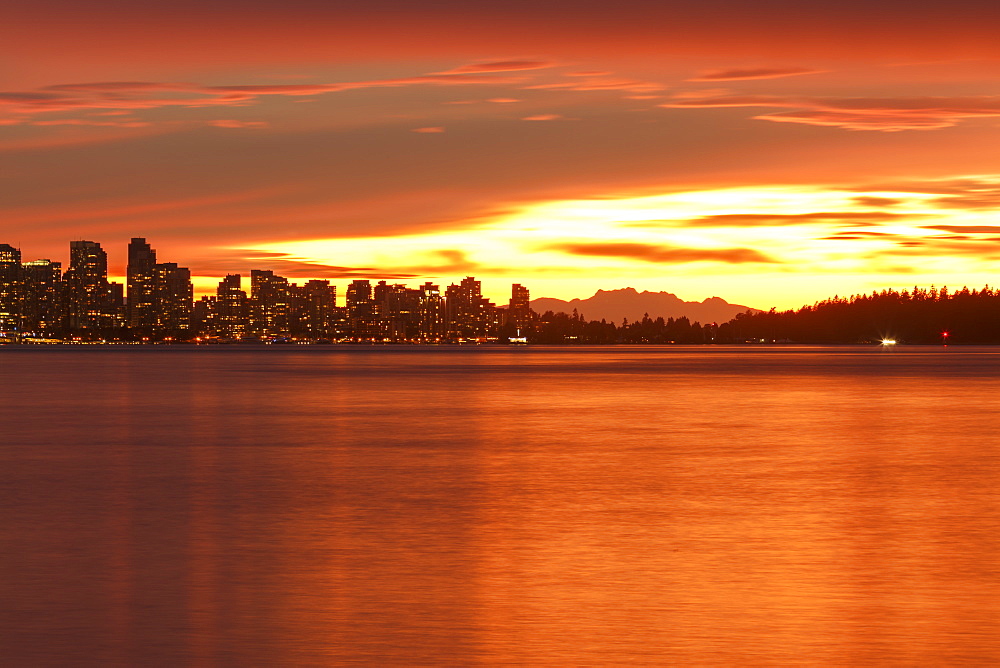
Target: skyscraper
(361,309)
(11,295)
(173,297)
(141,285)
(231,308)
(519,315)
(43,292)
(469,314)
(269,304)
(431,319)
(313,309)
(91,302)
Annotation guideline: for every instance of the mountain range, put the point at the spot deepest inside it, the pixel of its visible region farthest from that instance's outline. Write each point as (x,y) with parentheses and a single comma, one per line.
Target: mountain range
(616,305)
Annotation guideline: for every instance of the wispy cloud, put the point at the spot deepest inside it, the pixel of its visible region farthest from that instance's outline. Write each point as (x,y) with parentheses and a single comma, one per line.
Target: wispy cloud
(112,96)
(780,219)
(738,74)
(501,66)
(233,124)
(882,114)
(599,84)
(664,254)
(962,193)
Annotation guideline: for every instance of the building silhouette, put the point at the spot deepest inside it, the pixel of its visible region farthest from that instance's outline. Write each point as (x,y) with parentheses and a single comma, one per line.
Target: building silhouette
(38,298)
(173,295)
(141,286)
(313,309)
(361,310)
(430,321)
(469,315)
(270,304)
(92,303)
(11,284)
(232,311)
(42,296)
(519,314)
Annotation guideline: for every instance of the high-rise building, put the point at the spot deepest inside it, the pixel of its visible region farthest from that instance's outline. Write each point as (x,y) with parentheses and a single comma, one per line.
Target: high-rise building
(431,312)
(43,292)
(361,310)
(142,312)
(270,304)
(519,314)
(397,309)
(11,283)
(173,297)
(91,302)
(205,315)
(313,309)
(231,308)
(469,314)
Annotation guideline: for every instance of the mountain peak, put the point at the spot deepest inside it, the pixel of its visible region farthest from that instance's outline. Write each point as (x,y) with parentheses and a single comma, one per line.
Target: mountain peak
(616,305)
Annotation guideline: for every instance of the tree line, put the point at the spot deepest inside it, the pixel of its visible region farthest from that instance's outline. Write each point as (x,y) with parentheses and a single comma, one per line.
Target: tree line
(918,316)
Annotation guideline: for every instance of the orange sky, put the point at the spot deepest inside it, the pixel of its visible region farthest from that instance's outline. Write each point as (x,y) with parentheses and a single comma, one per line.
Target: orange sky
(771,153)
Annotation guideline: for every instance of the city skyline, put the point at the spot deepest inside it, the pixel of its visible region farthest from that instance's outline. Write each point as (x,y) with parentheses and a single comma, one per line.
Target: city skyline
(758,152)
(40,302)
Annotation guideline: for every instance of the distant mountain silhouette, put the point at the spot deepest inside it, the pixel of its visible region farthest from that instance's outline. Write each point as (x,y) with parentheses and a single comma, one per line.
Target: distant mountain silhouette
(615,305)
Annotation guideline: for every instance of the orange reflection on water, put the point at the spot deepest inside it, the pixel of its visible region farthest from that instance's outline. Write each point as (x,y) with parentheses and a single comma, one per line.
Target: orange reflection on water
(541,507)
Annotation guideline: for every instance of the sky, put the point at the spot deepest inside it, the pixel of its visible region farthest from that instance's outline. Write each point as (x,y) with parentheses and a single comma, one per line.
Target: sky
(772,153)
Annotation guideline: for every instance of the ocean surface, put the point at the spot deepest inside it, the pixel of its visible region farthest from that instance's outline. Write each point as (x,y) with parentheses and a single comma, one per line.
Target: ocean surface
(461,506)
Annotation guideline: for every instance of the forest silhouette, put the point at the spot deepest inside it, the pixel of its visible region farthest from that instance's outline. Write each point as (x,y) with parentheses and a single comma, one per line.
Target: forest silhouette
(917,316)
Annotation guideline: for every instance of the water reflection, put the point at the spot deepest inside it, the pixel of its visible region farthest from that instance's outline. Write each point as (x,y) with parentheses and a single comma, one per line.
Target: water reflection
(543,507)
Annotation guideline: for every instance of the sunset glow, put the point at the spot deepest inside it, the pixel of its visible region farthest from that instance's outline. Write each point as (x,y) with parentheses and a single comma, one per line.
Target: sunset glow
(662,147)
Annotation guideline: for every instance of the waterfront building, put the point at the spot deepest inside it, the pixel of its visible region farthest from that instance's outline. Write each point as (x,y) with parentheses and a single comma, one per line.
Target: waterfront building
(398,310)
(430,321)
(469,315)
(141,286)
(11,293)
(173,295)
(361,310)
(519,313)
(231,308)
(42,296)
(270,304)
(313,307)
(92,303)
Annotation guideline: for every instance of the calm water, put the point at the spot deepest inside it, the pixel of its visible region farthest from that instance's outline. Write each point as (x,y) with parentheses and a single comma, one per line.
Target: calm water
(537,506)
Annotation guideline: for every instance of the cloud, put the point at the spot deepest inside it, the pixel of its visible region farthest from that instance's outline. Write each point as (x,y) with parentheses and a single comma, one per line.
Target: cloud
(978,249)
(543,117)
(738,74)
(434,130)
(501,66)
(872,201)
(120,86)
(92,123)
(134,95)
(777,219)
(238,124)
(962,193)
(965,229)
(662,254)
(859,234)
(283,264)
(881,114)
(599,84)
